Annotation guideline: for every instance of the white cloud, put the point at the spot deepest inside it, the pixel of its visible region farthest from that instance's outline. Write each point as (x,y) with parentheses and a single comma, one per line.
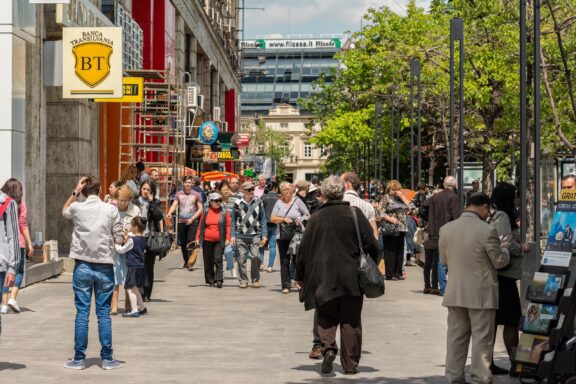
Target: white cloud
(312,16)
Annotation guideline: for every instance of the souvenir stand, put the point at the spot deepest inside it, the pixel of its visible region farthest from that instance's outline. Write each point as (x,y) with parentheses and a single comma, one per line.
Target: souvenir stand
(547,349)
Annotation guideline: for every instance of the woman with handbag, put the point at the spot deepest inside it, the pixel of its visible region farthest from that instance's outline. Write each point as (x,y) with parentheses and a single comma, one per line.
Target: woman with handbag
(214,236)
(503,216)
(327,270)
(288,213)
(394,227)
(151,209)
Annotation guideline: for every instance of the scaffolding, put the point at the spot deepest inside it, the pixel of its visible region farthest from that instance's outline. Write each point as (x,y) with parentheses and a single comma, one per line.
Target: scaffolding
(153,131)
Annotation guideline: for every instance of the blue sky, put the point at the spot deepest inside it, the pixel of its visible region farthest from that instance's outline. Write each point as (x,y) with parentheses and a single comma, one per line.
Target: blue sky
(312,17)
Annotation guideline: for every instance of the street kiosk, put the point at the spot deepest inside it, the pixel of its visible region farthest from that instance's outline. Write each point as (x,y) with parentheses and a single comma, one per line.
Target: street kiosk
(546,352)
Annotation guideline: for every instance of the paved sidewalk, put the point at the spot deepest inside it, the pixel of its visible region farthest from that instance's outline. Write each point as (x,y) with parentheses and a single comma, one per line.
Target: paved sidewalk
(198,334)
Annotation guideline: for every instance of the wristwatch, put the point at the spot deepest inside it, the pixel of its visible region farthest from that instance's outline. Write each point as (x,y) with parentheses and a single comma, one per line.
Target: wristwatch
(75,194)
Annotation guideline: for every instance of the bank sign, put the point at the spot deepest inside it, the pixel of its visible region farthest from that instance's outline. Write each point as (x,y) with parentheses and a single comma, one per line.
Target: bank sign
(292,44)
(92,63)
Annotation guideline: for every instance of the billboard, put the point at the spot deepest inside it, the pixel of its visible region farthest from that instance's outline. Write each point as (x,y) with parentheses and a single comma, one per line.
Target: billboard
(335,43)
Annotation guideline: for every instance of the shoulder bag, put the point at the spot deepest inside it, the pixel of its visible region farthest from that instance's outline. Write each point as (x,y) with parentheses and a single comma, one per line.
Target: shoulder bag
(287,231)
(370,279)
(387,228)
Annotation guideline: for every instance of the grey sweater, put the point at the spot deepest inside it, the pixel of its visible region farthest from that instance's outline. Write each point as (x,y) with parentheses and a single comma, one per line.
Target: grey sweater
(9,237)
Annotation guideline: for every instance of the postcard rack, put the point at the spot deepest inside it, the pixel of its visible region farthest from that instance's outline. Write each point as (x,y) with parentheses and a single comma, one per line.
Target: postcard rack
(556,364)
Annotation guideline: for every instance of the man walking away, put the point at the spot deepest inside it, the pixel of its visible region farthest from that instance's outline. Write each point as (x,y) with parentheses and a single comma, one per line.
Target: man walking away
(97,226)
(471,249)
(438,210)
(249,231)
(269,200)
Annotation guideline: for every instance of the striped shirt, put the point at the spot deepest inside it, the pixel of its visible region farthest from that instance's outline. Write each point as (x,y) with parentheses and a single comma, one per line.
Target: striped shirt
(366,208)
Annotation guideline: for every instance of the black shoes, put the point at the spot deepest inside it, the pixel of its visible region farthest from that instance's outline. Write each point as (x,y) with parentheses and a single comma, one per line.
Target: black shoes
(352,372)
(496,370)
(218,284)
(329,358)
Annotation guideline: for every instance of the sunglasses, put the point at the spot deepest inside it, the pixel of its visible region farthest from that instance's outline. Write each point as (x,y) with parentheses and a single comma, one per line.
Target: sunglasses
(216,201)
(249,190)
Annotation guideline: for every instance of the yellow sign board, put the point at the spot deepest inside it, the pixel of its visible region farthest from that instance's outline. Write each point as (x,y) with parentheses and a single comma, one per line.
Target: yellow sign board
(568,195)
(133,90)
(92,63)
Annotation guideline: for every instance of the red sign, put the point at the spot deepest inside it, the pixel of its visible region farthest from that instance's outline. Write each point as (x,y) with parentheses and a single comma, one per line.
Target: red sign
(243,139)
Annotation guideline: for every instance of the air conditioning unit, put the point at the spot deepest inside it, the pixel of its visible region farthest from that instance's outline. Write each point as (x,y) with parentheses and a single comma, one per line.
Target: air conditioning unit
(192,97)
(216,114)
(201,102)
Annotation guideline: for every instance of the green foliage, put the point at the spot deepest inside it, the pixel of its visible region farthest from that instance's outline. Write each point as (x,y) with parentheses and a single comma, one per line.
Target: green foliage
(381,59)
(266,141)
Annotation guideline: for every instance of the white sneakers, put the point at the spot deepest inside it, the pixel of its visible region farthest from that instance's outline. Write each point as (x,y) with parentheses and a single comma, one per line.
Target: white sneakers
(13,304)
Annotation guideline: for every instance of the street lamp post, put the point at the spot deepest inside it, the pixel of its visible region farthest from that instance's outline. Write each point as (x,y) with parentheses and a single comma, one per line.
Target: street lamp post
(392,133)
(419,139)
(379,122)
(537,141)
(523,124)
(414,72)
(457,33)
(398,118)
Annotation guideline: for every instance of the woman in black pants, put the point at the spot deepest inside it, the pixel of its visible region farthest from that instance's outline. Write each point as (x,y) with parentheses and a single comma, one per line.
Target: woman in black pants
(189,203)
(151,209)
(394,228)
(213,237)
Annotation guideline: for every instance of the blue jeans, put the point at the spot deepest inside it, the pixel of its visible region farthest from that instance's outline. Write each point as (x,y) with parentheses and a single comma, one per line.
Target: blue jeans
(229,255)
(271,246)
(19,273)
(99,278)
(442,272)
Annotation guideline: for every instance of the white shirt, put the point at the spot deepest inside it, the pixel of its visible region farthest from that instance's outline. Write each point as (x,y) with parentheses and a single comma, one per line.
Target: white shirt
(366,208)
(97,226)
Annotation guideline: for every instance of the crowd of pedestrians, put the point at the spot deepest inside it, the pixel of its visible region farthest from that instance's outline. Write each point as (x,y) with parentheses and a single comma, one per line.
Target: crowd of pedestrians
(317,230)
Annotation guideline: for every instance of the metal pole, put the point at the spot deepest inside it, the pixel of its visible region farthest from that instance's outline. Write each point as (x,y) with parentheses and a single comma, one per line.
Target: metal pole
(419,140)
(537,95)
(398,118)
(392,135)
(461,130)
(412,74)
(376,140)
(523,124)
(380,118)
(452,108)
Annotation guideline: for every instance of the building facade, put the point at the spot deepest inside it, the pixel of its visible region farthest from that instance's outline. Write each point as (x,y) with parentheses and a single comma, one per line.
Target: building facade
(280,71)
(305,160)
(49,141)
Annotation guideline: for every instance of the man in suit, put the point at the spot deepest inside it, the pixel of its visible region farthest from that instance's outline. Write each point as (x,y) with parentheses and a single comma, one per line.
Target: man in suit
(471,248)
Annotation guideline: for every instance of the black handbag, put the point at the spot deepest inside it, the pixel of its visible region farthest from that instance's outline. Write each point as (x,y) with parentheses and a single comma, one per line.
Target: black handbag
(389,229)
(287,231)
(158,242)
(370,279)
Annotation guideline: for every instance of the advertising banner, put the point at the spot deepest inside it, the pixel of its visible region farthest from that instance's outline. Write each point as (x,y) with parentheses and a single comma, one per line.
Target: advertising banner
(561,239)
(292,44)
(92,63)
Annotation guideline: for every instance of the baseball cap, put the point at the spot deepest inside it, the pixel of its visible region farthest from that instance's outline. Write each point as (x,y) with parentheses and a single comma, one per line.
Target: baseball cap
(248,185)
(214,196)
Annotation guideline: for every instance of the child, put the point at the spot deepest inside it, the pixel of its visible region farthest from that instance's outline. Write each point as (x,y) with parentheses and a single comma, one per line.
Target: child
(136,277)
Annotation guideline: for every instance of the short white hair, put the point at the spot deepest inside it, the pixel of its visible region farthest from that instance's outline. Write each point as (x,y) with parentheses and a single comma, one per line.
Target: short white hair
(332,188)
(450,181)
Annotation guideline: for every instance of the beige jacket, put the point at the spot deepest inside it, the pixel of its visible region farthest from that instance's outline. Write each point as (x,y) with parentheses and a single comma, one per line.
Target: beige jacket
(471,249)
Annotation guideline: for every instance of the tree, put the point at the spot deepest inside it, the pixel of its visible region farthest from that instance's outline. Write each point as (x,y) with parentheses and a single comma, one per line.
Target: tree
(268,142)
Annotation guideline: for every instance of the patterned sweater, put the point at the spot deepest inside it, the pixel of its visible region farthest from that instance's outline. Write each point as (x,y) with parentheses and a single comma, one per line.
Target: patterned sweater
(249,219)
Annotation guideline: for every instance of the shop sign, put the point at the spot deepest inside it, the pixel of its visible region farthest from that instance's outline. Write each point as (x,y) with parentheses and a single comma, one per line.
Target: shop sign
(49,1)
(92,63)
(226,156)
(208,132)
(132,91)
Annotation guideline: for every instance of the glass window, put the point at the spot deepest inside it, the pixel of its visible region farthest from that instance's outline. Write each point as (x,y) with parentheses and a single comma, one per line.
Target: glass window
(283,125)
(307,149)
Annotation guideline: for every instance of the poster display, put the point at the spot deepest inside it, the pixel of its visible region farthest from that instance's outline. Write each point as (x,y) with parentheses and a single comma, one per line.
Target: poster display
(561,239)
